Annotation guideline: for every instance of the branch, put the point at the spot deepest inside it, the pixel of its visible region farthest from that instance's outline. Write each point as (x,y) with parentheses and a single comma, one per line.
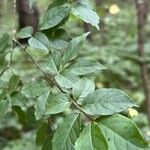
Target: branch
(78,107)
(51,78)
(3,71)
(24,49)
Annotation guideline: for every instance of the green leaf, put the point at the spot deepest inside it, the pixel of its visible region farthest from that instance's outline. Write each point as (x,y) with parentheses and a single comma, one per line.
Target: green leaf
(40,105)
(4,42)
(49,103)
(86,14)
(5,107)
(39,41)
(53,17)
(82,88)
(64,81)
(2,58)
(57,103)
(34,89)
(91,138)
(67,133)
(122,133)
(85,66)
(73,78)
(41,134)
(48,64)
(61,33)
(57,58)
(58,44)
(47,145)
(22,116)
(59,38)
(106,102)
(13,83)
(25,32)
(18,99)
(56,3)
(74,47)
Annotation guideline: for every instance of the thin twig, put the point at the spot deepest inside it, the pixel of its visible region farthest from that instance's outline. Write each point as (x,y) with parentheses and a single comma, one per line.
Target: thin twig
(3,71)
(24,49)
(78,107)
(35,63)
(51,78)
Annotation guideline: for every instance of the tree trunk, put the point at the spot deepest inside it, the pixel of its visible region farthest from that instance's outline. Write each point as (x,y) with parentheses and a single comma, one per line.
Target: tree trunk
(27,16)
(142,9)
(0,8)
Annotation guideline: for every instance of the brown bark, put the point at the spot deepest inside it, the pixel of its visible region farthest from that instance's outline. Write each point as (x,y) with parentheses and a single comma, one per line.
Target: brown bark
(141,8)
(0,8)
(27,16)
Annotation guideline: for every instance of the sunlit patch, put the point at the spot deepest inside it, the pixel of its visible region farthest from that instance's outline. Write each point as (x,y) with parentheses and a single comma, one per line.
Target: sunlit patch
(114,9)
(99,85)
(14,31)
(132,112)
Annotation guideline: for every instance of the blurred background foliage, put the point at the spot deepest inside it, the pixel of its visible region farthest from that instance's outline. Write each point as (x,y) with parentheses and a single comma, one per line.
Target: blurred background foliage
(115,46)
